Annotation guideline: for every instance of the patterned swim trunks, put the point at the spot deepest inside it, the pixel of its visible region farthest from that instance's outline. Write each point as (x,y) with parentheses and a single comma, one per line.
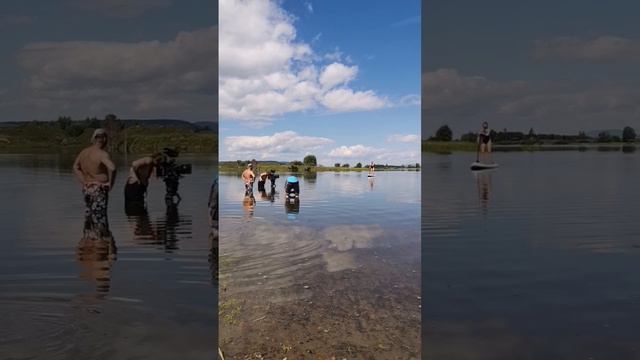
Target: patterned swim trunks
(96,199)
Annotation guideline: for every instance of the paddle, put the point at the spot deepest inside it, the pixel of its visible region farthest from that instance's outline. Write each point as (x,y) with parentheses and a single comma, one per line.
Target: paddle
(478,150)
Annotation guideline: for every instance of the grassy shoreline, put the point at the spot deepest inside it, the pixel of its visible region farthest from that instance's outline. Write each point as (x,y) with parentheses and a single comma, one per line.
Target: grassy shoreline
(225,167)
(442,147)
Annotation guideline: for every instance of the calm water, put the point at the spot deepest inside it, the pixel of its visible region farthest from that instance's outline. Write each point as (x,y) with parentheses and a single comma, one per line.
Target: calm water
(337,274)
(143,288)
(539,259)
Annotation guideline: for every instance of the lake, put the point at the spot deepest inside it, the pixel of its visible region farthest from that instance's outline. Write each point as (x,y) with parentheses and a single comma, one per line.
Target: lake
(538,259)
(142,288)
(335,274)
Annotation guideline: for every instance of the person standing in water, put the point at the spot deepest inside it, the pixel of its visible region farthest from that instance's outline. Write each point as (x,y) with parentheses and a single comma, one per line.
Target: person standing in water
(248,177)
(372,168)
(96,172)
(484,144)
(135,190)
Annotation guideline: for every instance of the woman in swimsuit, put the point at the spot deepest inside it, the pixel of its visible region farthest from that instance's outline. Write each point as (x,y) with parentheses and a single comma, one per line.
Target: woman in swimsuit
(484,142)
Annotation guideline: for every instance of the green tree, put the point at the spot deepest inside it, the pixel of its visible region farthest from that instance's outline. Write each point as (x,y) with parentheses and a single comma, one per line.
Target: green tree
(296,163)
(345,165)
(64,122)
(628,134)
(469,137)
(604,137)
(336,165)
(359,165)
(532,133)
(418,165)
(310,160)
(444,133)
(74,130)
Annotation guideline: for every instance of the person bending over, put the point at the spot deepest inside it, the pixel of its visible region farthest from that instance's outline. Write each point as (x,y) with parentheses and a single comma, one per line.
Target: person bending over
(141,170)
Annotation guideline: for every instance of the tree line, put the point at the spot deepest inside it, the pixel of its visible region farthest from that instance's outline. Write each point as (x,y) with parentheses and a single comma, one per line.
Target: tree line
(444,133)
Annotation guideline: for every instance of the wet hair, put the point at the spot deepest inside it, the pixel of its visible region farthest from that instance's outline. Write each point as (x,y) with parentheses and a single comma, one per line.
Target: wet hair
(485,124)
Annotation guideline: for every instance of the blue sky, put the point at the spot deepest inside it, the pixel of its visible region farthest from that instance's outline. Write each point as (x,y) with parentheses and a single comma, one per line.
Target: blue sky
(365,109)
(555,66)
(134,58)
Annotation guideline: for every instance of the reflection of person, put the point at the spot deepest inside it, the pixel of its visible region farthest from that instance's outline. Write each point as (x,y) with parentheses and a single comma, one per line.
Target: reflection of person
(97,251)
(483,180)
(248,177)
(249,204)
(292,207)
(96,172)
(484,143)
(141,170)
(371,183)
(213,234)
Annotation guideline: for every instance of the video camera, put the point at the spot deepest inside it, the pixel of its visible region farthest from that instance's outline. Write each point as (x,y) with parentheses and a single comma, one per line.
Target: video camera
(171,173)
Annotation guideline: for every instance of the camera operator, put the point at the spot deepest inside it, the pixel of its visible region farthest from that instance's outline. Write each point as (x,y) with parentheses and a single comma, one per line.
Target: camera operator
(141,170)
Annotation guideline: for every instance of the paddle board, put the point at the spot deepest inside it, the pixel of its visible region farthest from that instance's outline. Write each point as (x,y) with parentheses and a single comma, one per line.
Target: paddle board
(483,166)
(370,176)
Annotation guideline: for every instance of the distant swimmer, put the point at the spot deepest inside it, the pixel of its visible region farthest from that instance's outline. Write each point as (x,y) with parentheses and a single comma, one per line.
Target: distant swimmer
(96,172)
(248,177)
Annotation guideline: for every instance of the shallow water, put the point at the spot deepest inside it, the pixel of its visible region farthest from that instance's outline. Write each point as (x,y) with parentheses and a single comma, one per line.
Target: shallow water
(335,274)
(143,288)
(539,259)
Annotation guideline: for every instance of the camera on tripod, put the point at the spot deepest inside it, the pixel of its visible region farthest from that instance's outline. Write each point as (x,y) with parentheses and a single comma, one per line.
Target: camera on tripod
(171,173)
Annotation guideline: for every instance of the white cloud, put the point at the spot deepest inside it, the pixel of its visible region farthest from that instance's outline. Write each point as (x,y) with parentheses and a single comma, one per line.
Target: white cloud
(354,152)
(409,138)
(149,78)
(265,72)
(343,100)
(336,74)
(602,48)
(282,143)
(309,7)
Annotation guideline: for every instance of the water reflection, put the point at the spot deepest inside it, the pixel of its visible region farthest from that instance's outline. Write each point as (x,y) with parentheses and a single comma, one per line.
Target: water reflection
(483,181)
(292,207)
(97,251)
(268,196)
(214,246)
(371,182)
(164,232)
(249,206)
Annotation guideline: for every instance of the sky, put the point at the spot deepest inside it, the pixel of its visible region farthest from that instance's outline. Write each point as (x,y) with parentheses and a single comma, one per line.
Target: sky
(552,66)
(336,79)
(133,58)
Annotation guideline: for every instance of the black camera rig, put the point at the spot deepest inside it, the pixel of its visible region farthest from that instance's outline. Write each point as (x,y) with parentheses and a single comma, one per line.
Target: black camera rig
(171,173)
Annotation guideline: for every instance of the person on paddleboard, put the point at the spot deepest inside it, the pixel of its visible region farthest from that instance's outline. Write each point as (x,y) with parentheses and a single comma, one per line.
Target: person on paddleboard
(484,144)
(372,169)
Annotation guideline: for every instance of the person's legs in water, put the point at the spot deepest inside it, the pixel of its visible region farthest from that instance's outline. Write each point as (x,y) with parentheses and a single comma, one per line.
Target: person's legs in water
(135,198)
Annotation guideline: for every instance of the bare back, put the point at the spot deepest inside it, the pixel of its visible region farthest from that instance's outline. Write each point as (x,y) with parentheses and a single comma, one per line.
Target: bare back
(94,165)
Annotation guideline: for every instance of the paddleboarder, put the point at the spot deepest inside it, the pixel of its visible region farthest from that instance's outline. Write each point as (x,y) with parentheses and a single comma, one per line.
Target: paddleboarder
(372,169)
(484,144)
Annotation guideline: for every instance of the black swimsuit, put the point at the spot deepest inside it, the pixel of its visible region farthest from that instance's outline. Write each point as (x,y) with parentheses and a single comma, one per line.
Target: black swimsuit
(485,138)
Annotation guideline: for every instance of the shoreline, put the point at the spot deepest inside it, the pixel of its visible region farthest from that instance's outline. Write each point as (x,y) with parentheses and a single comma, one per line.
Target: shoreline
(457,146)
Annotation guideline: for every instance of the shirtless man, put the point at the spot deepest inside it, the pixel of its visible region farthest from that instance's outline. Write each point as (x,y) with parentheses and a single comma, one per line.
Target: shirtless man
(141,170)
(97,173)
(248,177)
